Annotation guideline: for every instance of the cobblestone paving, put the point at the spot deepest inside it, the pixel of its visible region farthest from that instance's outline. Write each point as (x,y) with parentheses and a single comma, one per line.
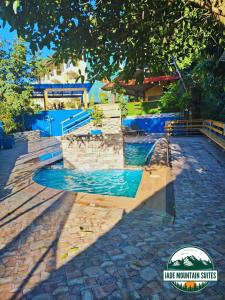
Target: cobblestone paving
(53,248)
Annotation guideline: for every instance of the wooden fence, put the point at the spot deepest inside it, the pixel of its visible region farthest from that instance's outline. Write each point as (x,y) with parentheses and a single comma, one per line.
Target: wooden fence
(214,130)
(183,127)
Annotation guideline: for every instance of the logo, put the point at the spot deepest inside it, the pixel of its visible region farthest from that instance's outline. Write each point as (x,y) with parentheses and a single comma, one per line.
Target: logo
(190,269)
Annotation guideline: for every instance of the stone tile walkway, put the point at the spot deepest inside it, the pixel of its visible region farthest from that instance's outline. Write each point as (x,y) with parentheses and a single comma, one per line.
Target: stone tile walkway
(54,248)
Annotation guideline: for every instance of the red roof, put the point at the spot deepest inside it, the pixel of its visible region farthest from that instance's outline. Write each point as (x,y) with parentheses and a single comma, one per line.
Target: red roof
(151,79)
(161,78)
(147,80)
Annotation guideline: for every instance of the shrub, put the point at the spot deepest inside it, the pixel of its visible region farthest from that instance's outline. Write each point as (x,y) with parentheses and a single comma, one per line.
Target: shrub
(97,115)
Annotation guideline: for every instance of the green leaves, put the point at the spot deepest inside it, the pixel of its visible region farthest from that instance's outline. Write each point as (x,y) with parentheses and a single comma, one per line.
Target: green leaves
(190,41)
(206,95)
(105,29)
(175,99)
(97,115)
(16,74)
(16,5)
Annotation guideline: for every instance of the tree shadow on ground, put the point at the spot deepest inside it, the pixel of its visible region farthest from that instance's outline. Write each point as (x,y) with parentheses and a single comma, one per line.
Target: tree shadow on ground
(25,211)
(21,158)
(111,263)
(36,242)
(127,261)
(130,257)
(11,156)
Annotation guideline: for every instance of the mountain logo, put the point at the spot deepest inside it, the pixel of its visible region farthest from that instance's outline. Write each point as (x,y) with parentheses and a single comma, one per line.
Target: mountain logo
(190,269)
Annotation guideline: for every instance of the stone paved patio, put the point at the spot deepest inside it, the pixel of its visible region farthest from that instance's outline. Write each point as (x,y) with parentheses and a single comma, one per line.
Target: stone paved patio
(54,248)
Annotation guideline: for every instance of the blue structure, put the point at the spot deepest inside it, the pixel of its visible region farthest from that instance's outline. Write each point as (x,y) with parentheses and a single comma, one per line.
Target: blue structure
(49,122)
(6,141)
(1,130)
(76,121)
(151,124)
(40,88)
(1,134)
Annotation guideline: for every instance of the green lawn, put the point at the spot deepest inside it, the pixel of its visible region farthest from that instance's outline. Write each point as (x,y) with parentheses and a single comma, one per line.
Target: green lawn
(142,108)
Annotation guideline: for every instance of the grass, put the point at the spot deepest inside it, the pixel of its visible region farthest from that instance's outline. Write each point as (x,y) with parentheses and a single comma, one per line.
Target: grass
(142,108)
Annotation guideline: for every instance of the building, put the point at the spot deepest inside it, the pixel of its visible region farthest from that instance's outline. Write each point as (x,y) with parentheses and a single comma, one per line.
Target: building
(63,86)
(149,91)
(66,86)
(61,96)
(64,72)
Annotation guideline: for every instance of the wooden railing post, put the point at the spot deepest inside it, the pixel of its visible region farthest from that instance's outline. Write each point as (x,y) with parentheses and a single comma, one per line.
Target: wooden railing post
(45,99)
(183,127)
(85,99)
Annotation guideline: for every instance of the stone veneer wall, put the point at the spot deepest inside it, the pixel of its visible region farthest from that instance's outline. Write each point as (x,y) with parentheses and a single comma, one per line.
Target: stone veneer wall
(161,153)
(111,122)
(93,152)
(109,126)
(27,135)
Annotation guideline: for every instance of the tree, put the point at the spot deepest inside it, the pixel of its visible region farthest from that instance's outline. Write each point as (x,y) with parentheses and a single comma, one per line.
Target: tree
(205,95)
(39,66)
(97,115)
(208,76)
(175,99)
(214,8)
(103,98)
(114,35)
(80,77)
(16,73)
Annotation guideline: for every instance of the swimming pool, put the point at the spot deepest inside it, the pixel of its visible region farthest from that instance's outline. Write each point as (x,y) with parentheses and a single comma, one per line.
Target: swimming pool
(135,153)
(105,182)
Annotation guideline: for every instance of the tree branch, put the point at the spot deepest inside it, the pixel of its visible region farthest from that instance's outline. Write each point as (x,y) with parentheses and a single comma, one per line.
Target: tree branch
(216,8)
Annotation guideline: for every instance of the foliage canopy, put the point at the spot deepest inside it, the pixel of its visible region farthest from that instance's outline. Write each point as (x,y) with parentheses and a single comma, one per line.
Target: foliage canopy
(208,75)
(97,115)
(205,95)
(128,34)
(17,71)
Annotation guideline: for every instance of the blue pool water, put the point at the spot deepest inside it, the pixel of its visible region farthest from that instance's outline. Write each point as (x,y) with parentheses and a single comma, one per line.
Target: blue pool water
(106,182)
(135,153)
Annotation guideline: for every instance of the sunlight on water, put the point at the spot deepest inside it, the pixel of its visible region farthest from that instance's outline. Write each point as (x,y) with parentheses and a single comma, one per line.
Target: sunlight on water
(135,153)
(105,182)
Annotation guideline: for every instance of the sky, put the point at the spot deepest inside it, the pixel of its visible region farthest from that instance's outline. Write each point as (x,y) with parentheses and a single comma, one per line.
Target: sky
(6,35)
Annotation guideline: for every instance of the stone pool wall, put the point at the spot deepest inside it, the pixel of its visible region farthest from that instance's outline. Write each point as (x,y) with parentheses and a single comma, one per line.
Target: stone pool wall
(160,155)
(93,152)
(111,122)
(109,126)
(27,135)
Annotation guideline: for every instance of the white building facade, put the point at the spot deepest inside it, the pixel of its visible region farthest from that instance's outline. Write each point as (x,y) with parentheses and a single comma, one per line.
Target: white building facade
(65,73)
